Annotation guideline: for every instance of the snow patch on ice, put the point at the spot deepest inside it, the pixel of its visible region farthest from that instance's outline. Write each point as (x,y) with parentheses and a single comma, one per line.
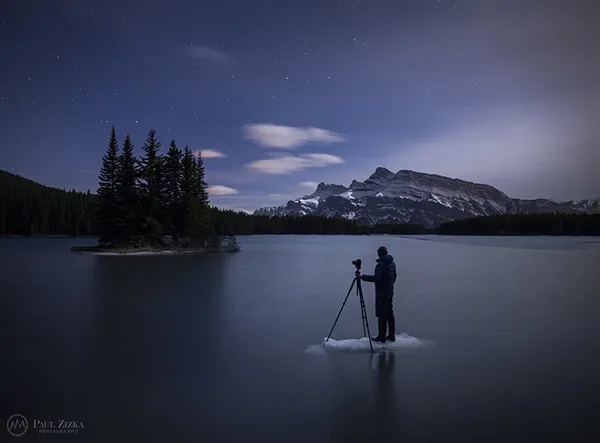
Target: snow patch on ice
(362,344)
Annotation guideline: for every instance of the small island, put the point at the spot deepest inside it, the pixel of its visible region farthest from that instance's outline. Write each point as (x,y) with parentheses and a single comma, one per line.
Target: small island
(156,204)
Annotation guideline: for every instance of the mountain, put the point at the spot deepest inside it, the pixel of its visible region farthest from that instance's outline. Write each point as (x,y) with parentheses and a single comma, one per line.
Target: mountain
(415,197)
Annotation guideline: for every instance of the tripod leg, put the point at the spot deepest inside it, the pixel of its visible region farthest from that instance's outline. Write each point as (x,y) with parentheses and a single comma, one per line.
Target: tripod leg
(364,311)
(341,309)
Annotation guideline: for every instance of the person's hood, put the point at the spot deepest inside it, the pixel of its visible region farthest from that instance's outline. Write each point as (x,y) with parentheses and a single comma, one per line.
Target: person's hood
(385,259)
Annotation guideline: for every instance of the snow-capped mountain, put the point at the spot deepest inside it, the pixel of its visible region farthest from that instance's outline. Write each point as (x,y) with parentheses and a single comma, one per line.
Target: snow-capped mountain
(416,197)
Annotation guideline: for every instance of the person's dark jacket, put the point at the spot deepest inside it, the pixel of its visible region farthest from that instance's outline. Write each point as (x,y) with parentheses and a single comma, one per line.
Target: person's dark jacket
(384,276)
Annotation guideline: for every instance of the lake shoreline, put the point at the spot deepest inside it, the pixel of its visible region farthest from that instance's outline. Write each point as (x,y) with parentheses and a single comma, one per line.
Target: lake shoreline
(98,250)
(46,236)
(133,251)
(420,234)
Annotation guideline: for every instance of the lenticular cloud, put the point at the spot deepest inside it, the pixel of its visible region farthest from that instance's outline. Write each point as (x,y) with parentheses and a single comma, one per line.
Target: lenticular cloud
(268,135)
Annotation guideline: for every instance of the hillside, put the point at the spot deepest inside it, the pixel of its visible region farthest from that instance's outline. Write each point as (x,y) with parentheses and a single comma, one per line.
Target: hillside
(29,208)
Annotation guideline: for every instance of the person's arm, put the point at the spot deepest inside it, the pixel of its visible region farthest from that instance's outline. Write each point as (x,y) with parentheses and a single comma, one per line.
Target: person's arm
(376,277)
(393,272)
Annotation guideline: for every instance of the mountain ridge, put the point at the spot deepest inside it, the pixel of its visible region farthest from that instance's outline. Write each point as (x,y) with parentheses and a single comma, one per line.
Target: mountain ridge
(409,196)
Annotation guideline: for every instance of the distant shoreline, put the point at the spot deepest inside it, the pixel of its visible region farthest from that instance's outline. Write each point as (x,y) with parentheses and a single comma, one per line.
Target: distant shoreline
(99,250)
(46,236)
(512,234)
(140,252)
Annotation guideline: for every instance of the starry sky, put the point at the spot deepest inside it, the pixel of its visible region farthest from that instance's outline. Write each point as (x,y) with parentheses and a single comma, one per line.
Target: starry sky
(280,95)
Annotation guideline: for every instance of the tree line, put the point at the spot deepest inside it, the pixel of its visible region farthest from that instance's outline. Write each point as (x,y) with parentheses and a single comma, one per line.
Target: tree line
(28,208)
(525,224)
(228,222)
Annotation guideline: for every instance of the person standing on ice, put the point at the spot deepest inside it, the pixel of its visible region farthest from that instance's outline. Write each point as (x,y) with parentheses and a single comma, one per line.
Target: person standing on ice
(384,278)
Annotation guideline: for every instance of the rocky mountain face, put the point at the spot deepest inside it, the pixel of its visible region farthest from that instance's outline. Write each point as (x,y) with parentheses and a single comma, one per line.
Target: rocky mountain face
(415,197)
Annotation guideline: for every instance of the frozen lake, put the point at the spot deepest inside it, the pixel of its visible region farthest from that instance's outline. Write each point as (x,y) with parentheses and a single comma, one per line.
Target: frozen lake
(220,348)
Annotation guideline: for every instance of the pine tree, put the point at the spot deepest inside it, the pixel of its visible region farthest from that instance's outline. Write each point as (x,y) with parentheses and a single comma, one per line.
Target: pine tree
(172,183)
(191,211)
(106,209)
(127,195)
(201,192)
(152,188)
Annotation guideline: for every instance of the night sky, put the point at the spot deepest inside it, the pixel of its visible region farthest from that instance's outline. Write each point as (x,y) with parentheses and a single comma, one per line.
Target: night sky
(280,95)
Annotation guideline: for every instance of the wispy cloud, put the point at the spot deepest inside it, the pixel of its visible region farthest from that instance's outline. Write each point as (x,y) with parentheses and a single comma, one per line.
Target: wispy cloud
(268,135)
(308,185)
(211,55)
(289,163)
(221,190)
(208,153)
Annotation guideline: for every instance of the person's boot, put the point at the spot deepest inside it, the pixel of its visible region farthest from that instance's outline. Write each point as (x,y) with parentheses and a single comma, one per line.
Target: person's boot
(391,323)
(381,325)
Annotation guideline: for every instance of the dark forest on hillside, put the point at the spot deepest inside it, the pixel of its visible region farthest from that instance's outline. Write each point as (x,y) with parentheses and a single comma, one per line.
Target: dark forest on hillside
(28,208)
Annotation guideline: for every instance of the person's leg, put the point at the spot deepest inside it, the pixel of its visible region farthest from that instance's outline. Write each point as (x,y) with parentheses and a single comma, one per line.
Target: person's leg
(381,313)
(391,320)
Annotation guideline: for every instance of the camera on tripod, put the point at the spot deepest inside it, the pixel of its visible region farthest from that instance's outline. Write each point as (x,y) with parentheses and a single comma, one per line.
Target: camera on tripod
(357,263)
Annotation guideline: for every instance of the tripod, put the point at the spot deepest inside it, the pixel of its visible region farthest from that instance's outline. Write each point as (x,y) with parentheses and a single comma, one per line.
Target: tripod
(363,310)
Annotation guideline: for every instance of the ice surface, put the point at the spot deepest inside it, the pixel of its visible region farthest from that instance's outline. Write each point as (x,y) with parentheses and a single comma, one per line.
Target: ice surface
(362,344)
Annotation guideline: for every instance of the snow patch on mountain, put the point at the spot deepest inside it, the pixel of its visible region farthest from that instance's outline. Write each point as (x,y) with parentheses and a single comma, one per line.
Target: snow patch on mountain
(309,201)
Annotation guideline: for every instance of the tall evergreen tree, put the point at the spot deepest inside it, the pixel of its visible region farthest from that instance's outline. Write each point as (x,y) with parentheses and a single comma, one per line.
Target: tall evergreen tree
(191,211)
(172,182)
(128,194)
(106,203)
(152,188)
(201,193)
